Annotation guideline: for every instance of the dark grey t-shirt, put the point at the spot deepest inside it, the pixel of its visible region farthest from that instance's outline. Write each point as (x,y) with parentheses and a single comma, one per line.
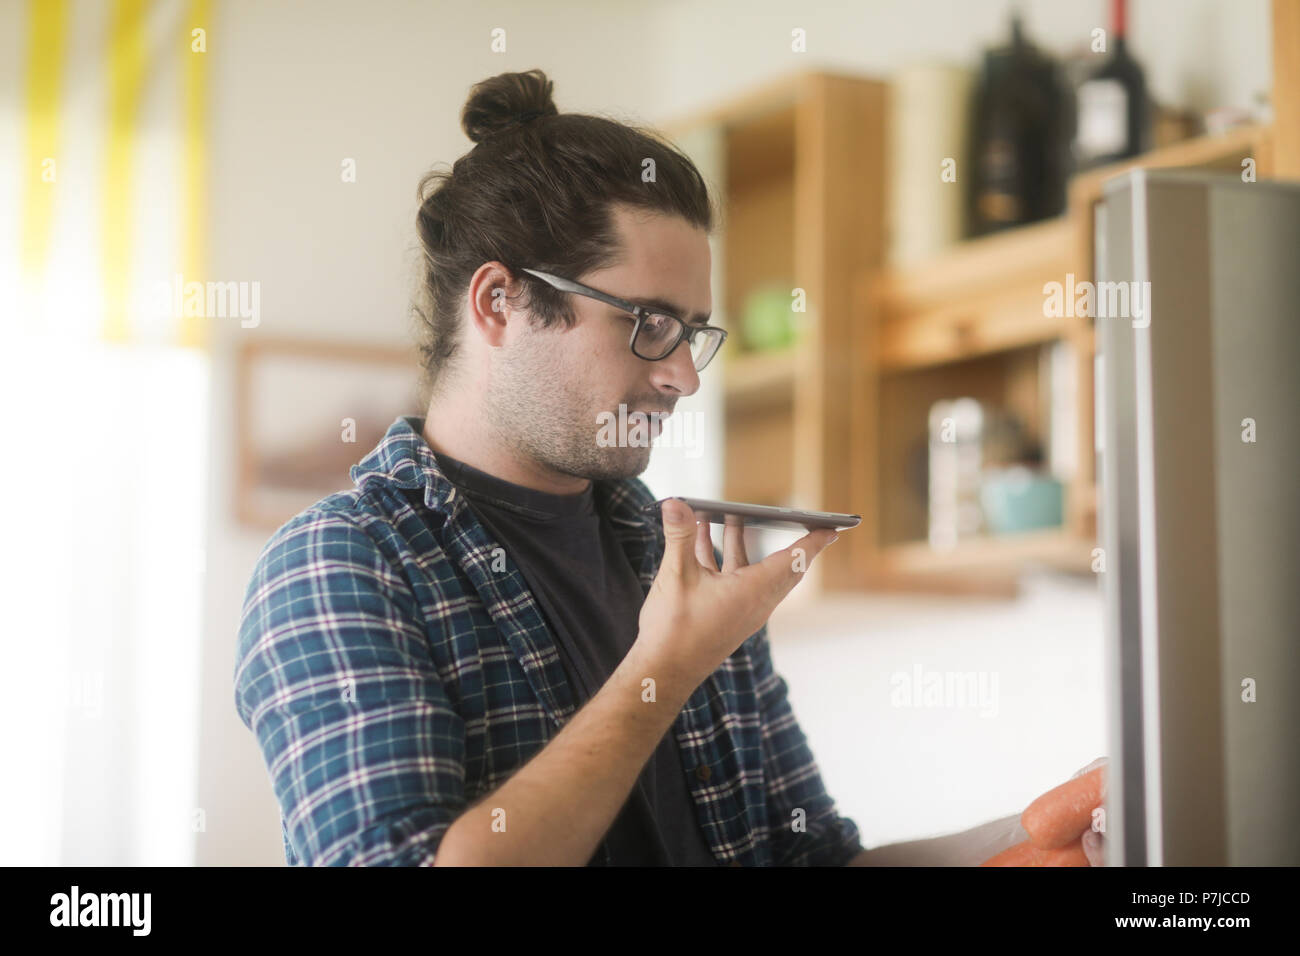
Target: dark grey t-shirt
(591,597)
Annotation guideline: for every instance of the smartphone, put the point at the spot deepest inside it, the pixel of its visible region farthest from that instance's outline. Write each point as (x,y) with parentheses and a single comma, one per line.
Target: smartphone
(761,516)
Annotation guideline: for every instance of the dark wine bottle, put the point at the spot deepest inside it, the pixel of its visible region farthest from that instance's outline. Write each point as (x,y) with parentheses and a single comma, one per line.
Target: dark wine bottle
(1114,119)
(1022,125)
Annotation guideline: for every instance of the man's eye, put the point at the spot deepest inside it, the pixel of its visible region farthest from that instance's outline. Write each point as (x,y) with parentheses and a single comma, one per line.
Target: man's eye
(659,326)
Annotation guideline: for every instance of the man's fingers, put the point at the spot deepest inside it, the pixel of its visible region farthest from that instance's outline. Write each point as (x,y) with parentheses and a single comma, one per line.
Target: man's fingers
(1094,848)
(733,544)
(679,540)
(788,565)
(704,546)
(1099,762)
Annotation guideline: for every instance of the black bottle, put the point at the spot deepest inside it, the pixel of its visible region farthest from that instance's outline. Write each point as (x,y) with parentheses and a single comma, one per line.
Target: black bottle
(1114,118)
(1022,125)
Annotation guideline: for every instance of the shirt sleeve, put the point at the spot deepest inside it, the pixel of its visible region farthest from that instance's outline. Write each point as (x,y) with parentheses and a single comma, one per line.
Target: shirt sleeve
(793,780)
(333,676)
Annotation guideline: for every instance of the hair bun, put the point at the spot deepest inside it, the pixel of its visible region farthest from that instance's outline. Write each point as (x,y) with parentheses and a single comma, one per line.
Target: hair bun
(504,101)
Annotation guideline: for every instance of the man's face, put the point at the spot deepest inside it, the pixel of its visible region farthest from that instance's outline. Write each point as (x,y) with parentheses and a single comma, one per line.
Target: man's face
(549,388)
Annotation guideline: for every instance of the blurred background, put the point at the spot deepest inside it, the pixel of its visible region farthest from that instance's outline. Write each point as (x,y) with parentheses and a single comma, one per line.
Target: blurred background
(206,262)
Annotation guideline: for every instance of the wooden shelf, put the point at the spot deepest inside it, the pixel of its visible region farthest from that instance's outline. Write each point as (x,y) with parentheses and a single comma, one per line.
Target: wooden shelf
(977,266)
(983,296)
(1055,547)
(759,379)
(1223,151)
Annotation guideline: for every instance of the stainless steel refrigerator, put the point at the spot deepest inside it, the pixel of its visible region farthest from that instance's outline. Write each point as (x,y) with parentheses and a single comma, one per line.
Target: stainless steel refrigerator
(1198,413)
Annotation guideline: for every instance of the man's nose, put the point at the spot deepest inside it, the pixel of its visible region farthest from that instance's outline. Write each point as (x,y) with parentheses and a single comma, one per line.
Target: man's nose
(677,371)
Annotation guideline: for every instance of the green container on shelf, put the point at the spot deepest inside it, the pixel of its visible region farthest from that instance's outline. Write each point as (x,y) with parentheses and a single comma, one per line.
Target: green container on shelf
(767,322)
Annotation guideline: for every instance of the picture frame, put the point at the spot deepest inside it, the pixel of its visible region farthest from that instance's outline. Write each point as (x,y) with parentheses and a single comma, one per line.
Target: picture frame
(306,410)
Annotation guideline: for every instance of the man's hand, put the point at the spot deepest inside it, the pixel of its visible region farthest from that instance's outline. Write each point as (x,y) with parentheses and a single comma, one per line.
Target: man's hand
(696,613)
(1094,840)
(1062,825)
(978,844)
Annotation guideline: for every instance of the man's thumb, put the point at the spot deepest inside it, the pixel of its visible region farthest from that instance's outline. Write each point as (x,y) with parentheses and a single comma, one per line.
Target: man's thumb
(679,535)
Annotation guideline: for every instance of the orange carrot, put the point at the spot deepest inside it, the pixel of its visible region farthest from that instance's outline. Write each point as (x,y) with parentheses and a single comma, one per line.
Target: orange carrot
(1062,814)
(1026,854)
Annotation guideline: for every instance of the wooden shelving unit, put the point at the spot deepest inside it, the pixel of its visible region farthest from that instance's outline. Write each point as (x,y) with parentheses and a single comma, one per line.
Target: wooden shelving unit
(800,164)
(834,421)
(972,322)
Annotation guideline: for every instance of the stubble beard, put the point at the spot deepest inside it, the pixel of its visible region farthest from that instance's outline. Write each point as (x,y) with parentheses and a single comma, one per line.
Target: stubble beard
(537,411)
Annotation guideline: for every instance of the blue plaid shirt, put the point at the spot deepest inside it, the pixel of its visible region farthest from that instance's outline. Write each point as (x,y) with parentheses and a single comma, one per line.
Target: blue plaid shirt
(392,677)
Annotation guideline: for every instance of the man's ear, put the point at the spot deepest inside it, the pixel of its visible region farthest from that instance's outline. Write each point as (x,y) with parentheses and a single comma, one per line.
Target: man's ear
(492,290)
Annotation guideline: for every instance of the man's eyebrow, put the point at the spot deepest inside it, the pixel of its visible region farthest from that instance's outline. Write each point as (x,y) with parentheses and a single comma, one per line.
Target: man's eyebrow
(663,305)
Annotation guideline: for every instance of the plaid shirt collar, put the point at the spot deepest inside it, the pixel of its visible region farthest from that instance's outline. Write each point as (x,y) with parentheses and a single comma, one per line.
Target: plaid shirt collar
(404,460)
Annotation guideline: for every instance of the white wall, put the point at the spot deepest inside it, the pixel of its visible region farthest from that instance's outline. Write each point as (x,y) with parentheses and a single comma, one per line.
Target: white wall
(297,87)
(905,768)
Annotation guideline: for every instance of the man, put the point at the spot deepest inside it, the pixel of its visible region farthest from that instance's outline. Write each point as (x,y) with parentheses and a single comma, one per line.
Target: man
(487,653)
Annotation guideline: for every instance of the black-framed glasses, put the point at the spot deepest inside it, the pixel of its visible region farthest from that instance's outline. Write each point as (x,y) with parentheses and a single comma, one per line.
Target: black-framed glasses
(657,332)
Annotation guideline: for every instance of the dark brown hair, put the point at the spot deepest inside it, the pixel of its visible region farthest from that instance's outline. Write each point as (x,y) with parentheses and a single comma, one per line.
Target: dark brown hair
(535,192)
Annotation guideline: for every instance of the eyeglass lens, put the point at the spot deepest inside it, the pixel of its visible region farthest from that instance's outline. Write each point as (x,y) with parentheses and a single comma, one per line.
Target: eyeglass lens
(703,348)
(659,333)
